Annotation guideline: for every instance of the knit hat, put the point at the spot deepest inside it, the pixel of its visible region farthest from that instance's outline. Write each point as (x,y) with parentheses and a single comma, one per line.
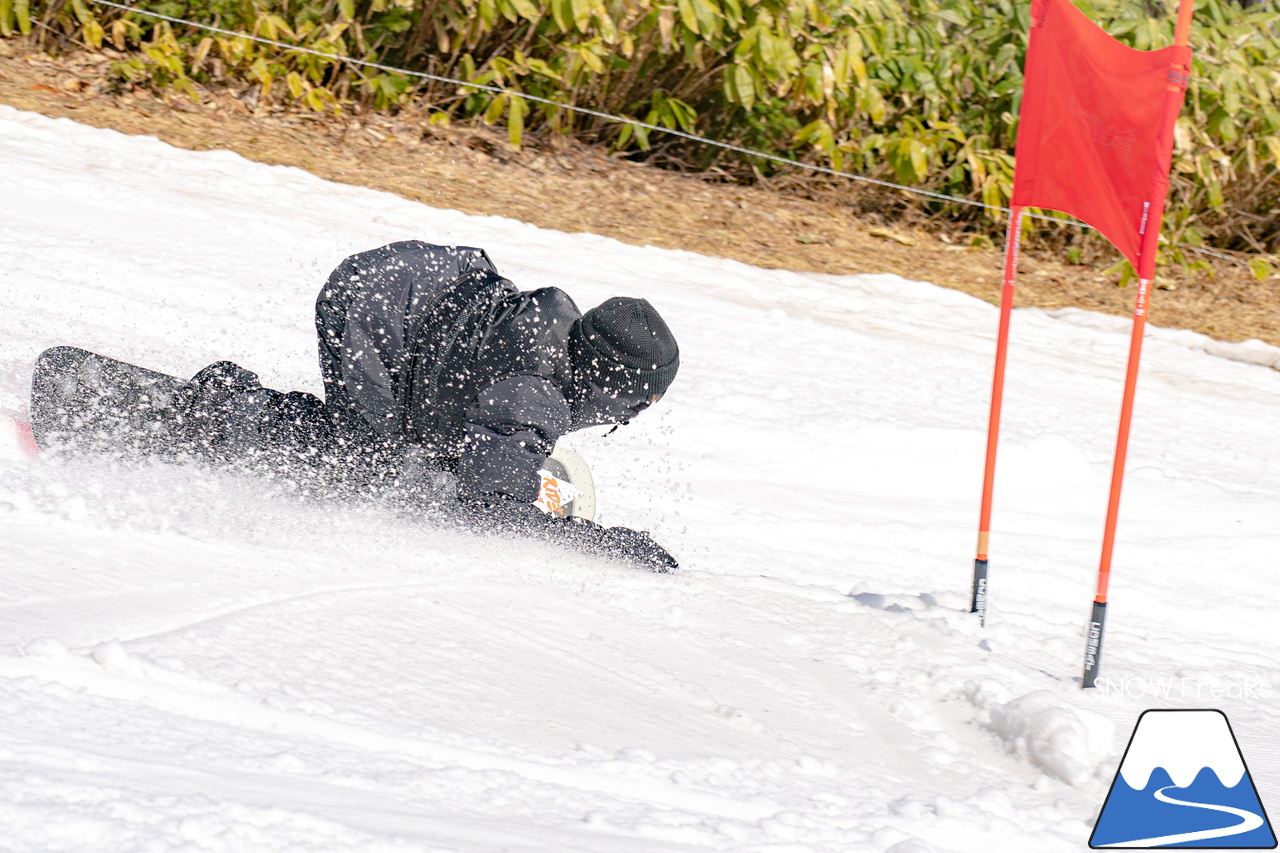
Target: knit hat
(624,346)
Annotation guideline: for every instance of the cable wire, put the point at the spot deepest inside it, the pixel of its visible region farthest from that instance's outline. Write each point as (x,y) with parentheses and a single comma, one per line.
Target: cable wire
(500,90)
(693,137)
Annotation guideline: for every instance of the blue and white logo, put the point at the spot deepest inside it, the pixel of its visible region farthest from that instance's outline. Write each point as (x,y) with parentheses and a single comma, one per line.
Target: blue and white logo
(1183,783)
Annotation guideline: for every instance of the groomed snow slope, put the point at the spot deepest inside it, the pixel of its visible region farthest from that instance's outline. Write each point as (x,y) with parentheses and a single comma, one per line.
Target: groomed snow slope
(191,660)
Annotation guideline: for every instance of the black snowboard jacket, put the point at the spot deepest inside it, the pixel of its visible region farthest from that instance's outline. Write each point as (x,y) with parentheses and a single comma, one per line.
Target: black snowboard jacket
(428,356)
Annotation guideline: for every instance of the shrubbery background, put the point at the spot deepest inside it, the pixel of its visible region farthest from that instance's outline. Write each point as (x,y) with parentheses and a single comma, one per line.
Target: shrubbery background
(914,91)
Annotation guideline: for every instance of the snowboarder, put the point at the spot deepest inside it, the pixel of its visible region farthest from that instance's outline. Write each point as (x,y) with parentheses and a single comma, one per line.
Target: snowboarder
(431,359)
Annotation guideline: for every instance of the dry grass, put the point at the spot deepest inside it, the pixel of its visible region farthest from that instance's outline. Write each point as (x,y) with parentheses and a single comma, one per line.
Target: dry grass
(575,188)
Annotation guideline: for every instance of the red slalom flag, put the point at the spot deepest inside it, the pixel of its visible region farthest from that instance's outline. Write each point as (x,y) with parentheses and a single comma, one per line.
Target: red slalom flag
(1095,140)
(1095,134)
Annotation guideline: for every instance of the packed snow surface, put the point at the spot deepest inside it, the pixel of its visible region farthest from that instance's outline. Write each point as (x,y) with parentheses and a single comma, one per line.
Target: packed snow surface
(196,660)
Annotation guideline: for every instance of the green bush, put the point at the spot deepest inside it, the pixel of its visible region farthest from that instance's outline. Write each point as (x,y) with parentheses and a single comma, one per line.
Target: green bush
(915,91)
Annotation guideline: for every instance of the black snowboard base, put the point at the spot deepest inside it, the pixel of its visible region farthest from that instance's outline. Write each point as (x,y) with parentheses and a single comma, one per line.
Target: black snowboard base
(83,401)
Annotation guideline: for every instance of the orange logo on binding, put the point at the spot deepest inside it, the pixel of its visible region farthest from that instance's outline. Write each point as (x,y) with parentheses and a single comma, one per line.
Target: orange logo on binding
(551,496)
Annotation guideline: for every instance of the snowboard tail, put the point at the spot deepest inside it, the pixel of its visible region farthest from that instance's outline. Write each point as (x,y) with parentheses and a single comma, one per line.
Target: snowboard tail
(88,402)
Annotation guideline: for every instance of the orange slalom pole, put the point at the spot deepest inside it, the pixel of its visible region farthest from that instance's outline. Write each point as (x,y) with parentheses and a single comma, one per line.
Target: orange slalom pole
(1098,616)
(1150,238)
(1182,31)
(1013,239)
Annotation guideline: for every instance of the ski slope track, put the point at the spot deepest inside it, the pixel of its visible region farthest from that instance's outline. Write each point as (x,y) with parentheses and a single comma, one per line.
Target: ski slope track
(197,660)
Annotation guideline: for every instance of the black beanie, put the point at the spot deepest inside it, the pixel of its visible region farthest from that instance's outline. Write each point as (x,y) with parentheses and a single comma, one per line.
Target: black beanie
(623,345)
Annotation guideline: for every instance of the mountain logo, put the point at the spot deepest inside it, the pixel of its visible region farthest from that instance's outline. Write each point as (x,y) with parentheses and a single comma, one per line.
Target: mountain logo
(1183,783)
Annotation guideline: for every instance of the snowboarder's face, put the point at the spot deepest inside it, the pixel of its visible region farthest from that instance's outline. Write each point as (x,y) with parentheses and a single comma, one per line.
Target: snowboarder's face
(596,405)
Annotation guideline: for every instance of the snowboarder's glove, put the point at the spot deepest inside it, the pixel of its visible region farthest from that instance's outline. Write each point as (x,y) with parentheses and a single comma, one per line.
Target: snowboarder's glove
(637,546)
(219,405)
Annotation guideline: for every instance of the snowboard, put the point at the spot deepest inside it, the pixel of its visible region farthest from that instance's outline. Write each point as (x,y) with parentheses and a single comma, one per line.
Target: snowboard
(83,401)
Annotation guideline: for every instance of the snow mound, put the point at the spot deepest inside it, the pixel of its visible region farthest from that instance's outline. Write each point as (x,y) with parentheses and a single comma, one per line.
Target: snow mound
(1250,351)
(1066,743)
